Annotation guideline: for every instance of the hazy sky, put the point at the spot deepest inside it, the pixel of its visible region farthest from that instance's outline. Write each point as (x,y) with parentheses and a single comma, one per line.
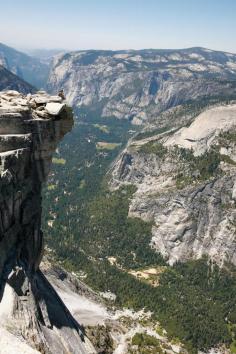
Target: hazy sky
(118,24)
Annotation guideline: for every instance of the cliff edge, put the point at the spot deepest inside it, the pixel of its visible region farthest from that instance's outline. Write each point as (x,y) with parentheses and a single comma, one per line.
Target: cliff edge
(30,309)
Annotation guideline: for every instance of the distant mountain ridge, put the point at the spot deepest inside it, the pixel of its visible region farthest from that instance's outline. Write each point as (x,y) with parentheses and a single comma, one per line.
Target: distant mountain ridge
(131,84)
(139,84)
(9,81)
(26,67)
(44,55)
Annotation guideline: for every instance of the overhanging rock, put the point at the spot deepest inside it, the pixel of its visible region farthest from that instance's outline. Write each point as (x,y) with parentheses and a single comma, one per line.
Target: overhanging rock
(29,306)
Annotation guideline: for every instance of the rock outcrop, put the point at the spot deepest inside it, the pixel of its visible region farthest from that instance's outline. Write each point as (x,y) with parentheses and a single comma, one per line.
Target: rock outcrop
(30,309)
(203,131)
(186,187)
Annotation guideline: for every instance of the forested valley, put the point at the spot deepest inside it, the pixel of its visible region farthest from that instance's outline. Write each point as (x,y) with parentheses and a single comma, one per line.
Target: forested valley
(91,234)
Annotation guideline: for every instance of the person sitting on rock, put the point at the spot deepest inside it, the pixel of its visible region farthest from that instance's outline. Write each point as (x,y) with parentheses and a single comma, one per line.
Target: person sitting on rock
(61,94)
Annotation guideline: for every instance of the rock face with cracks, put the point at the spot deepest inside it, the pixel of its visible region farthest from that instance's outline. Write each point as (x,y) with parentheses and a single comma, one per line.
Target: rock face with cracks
(30,309)
(186,186)
(139,85)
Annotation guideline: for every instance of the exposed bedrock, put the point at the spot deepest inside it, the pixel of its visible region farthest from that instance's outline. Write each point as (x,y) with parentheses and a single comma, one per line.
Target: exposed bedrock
(30,309)
(186,186)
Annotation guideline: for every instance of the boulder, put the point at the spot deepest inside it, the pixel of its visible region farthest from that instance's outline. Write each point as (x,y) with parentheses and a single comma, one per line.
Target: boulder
(54,108)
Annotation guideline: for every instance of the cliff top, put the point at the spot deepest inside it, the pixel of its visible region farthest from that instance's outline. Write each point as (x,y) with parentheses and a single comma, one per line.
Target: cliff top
(200,135)
(41,105)
(30,128)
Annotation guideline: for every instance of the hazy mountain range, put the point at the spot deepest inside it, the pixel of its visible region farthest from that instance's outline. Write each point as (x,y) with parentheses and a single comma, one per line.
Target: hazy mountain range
(26,67)
(136,85)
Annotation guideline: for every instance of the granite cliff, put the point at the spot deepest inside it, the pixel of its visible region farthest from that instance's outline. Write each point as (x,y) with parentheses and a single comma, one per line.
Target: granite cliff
(32,315)
(185,180)
(138,85)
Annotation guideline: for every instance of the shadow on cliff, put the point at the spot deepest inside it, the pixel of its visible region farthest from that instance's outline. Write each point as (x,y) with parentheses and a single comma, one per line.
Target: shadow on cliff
(51,310)
(58,314)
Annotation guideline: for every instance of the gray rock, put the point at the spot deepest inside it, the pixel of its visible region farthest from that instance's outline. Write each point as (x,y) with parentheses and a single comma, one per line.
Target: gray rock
(55,99)
(200,218)
(138,85)
(40,99)
(29,305)
(54,108)
(234,191)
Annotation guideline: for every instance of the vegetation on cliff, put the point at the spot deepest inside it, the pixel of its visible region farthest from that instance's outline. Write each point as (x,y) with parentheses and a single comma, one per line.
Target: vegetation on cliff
(93,236)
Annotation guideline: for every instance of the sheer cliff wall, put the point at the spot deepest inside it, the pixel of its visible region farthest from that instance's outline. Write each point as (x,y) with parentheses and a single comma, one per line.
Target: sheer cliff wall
(30,129)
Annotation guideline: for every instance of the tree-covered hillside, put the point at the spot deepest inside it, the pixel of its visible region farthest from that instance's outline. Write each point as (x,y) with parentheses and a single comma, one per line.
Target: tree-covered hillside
(90,232)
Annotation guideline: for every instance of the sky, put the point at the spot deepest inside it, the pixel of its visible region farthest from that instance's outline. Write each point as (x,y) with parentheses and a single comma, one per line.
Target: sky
(118,24)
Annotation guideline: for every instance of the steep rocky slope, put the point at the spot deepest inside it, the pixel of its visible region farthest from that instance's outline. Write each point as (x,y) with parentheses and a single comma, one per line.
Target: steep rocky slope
(30,309)
(9,81)
(26,67)
(138,85)
(111,330)
(185,183)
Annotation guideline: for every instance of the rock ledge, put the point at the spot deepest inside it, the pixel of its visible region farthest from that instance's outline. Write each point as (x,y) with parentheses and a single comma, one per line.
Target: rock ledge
(30,308)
